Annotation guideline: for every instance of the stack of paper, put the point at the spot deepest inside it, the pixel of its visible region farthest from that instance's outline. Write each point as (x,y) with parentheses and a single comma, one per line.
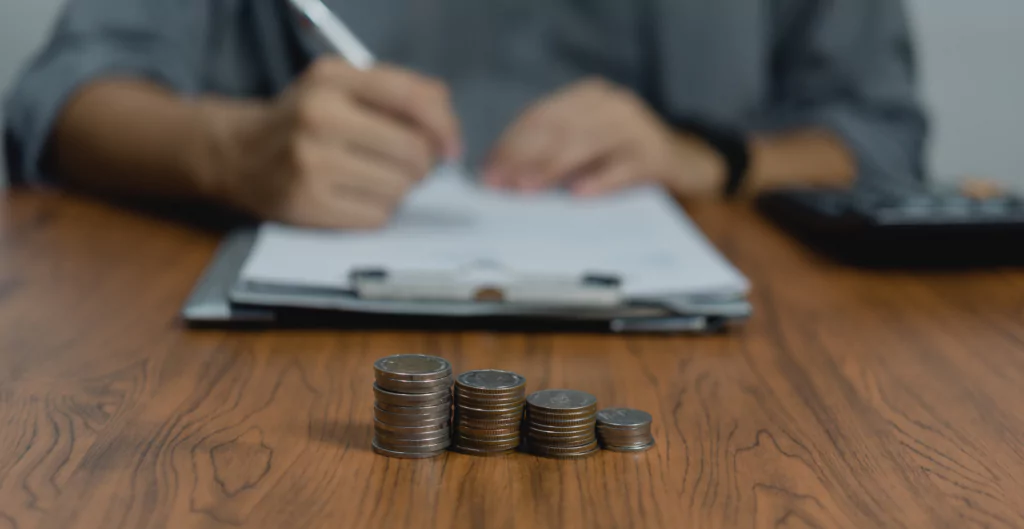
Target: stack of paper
(641,236)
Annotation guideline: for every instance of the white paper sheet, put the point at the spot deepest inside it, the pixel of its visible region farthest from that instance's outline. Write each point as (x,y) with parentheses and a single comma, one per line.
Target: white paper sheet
(640,235)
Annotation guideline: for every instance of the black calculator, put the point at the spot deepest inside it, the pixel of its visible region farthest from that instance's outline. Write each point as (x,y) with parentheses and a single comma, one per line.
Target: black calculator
(914,227)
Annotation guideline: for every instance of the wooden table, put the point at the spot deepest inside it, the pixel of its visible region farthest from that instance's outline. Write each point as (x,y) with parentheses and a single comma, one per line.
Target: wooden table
(853,399)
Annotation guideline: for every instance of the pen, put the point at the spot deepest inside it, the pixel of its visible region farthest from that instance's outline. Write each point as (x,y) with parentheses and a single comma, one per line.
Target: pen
(342,41)
(335,33)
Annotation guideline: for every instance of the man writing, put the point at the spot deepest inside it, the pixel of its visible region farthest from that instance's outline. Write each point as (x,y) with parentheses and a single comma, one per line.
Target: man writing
(226,101)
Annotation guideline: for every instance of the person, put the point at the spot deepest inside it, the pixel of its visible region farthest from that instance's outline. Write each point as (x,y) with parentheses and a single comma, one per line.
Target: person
(234,101)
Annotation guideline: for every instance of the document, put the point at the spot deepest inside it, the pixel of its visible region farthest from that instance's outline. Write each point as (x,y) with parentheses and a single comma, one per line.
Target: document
(640,236)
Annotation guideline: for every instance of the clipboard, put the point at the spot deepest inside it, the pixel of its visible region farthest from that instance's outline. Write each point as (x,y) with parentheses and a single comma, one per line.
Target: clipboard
(589,303)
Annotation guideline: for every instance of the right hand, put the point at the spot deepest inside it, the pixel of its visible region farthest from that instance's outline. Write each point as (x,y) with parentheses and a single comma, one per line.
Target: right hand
(340,148)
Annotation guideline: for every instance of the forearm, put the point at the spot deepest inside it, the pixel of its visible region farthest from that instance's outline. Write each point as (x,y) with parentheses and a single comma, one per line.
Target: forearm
(131,137)
(802,157)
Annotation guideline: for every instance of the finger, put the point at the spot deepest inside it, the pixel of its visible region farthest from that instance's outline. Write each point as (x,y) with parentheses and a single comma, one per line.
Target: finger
(357,173)
(317,208)
(614,176)
(383,136)
(524,136)
(423,101)
(539,138)
(566,160)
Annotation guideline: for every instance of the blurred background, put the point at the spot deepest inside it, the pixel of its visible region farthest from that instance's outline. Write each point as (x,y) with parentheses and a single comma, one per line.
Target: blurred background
(970,62)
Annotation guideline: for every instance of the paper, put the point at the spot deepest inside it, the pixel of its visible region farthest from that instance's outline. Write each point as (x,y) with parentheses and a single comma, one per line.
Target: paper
(640,236)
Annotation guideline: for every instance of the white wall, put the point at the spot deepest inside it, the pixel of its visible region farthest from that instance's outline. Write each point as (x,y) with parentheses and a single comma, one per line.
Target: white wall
(972,58)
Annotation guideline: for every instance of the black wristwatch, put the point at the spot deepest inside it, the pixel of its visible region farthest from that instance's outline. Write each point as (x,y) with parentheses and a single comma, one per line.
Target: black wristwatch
(730,143)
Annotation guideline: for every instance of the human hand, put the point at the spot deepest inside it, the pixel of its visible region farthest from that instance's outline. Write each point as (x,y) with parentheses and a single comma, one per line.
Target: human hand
(339,149)
(597,138)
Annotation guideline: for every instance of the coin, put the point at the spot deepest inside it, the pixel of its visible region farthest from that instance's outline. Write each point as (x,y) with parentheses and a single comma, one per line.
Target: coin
(486,425)
(494,412)
(548,449)
(395,442)
(569,455)
(405,455)
(624,430)
(413,367)
(385,445)
(436,409)
(403,399)
(561,400)
(488,411)
(560,441)
(491,381)
(563,432)
(487,404)
(408,431)
(396,419)
(484,442)
(623,417)
(483,453)
(560,424)
(631,448)
(415,387)
(481,432)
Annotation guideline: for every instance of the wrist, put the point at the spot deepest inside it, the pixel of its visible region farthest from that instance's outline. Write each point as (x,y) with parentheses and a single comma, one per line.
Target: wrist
(731,149)
(698,169)
(215,153)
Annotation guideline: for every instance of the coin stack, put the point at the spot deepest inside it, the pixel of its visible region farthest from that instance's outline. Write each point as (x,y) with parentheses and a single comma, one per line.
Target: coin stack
(560,424)
(488,412)
(412,411)
(624,430)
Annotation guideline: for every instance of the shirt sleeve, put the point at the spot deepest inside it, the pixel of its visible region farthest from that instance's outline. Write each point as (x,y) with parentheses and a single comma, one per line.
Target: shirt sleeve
(849,66)
(158,40)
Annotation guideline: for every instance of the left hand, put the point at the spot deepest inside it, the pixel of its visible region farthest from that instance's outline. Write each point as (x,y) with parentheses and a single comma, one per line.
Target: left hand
(596,138)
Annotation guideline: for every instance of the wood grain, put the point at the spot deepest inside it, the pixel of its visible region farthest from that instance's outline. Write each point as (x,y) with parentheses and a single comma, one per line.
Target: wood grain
(853,399)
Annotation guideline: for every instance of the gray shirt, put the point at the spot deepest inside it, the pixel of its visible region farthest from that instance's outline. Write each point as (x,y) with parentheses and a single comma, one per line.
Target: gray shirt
(757,65)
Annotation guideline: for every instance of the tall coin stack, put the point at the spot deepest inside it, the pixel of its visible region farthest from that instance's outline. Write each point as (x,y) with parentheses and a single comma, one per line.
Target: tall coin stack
(624,430)
(412,411)
(488,412)
(560,423)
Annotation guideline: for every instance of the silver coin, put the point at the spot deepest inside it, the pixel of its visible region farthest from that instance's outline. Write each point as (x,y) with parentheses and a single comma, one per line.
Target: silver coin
(413,367)
(403,454)
(491,380)
(643,430)
(624,417)
(412,399)
(487,402)
(409,420)
(409,431)
(415,387)
(395,442)
(561,400)
(414,410)
(440,444)
(633,448)
(483,452)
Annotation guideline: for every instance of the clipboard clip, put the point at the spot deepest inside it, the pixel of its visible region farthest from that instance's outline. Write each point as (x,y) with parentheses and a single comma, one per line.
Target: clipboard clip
(487,282)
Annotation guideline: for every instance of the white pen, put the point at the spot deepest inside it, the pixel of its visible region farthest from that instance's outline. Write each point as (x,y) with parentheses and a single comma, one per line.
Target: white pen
(335,33)
(340,38)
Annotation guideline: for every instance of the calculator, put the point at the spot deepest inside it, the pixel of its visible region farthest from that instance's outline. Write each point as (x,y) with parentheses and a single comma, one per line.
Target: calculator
(906,227)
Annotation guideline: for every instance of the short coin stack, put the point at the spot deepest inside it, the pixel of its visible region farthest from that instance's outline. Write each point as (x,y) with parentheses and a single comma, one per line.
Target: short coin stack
(560,423)
(488,412)
(624,430)
(412,411)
